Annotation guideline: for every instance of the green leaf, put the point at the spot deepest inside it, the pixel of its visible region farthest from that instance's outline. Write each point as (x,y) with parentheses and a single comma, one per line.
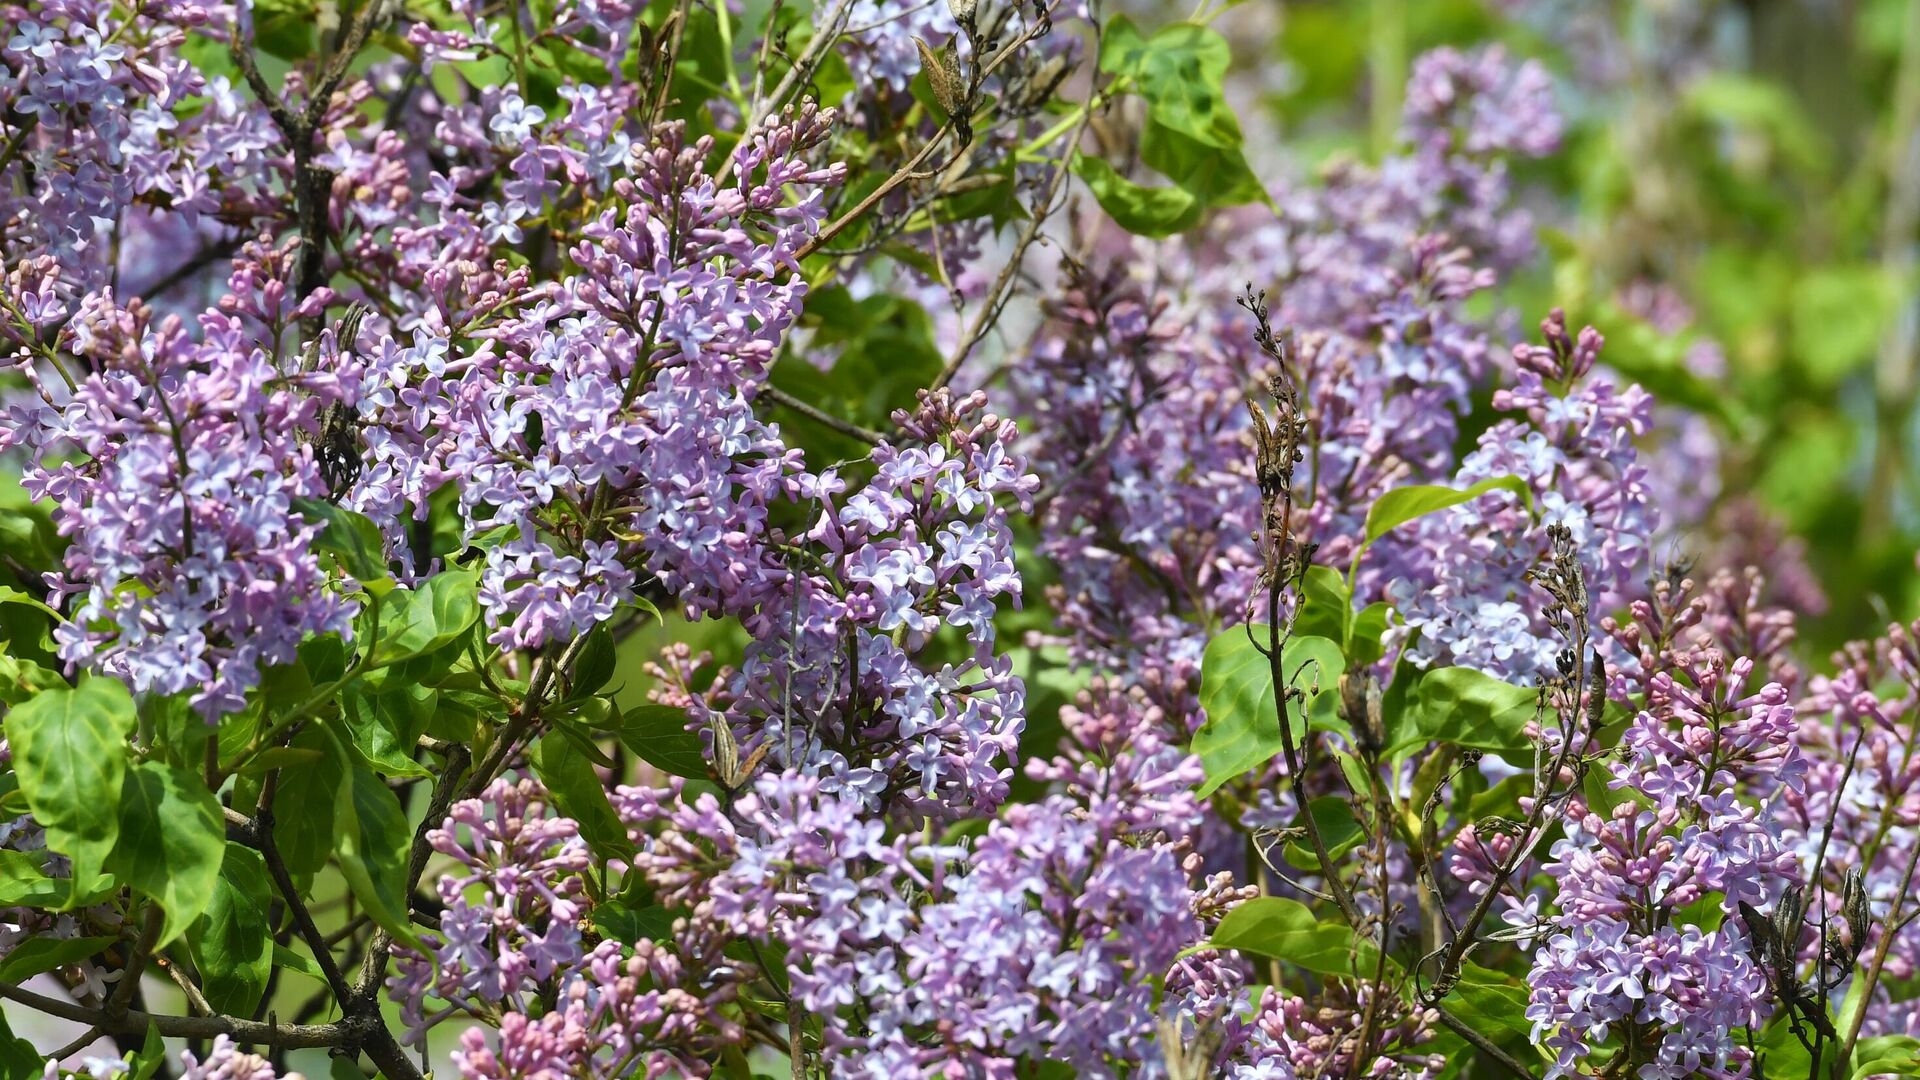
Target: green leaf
(1491,1002)
(372,842)
(1781,1052)
(41,954)
(1217,176)
(286,35)
(631,924)
(579,794)
(153,1053)
(1326,607)
(353,540)
(281,757)
(18,1059)
(1142,211)
(70,751)
(414,622)
(1468,708)
(232,944)
(10,595)
(21,679)
(303,827)
(1364,634)
(1242,731)
(387,725)
(1334,819)
(298,962)
(596,664)
(1181,72)
(1401,505)
(1886,1055)
(172,841)
(658,735)
(24,882)
(1289,931)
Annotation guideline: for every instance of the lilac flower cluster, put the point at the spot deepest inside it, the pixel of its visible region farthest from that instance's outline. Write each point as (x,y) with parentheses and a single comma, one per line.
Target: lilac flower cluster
(1290,1038)
(1461,583)
(831,685)
(110,120)
(173,468)
(225,1061)
(1864,777)
(1045,937)
(510,923)
(1134,383)
(604,423)
(513,951)
(1621,952)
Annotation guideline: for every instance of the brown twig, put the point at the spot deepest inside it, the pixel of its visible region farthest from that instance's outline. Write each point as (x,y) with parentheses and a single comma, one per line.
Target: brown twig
(814,413)
(134,1022)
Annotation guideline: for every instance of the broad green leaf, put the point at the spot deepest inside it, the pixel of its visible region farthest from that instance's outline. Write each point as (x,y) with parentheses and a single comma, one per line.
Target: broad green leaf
(414,622)
(387,725)
(1784,1056)
(1468,708)
(1491,1002)
(172,841)
(145,1064)
(1364,634)
(372,841)
(289,959)
(1215,175)
(303,817)
(1401,505)
(596,664)
(18,1059)
(631,924)
(21,679)
(281,757)
(1181,72)
(658,735)
(350,538)
(24,882)
(232,944)
(1289,931)
(70,751)
(1326,607)
(1141,210)
(286,35)
(1333,817)
(578,793)
(41,953)
(10,595)
(1886,1055)
(1242,731)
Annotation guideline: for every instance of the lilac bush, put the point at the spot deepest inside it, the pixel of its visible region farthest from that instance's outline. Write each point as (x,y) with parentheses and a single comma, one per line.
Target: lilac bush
(864,539)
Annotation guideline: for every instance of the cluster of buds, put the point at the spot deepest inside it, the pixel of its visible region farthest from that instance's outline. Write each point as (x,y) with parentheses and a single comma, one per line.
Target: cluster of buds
(1563,359)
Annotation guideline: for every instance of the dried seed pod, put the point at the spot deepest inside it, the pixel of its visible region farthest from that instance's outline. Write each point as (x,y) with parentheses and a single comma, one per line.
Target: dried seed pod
(1853,901)
(948,88)
(726,754)
(1360,707)
(1596,690)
